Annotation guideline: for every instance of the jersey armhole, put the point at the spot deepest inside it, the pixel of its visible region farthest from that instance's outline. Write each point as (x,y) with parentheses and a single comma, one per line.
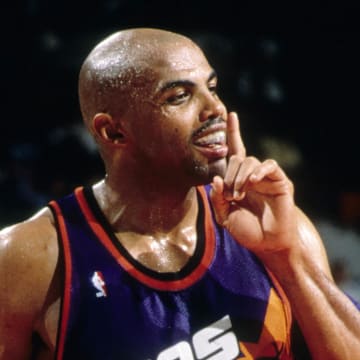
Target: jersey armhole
(65,257)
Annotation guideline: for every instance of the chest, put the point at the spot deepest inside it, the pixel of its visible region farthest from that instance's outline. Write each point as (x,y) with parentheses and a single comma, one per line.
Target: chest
(162,253)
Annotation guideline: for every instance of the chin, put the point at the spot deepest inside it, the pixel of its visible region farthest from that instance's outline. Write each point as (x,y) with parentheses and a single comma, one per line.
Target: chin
(206,172)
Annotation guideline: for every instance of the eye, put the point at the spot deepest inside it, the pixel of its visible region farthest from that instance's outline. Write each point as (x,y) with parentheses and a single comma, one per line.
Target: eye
(177,98)
(213,89)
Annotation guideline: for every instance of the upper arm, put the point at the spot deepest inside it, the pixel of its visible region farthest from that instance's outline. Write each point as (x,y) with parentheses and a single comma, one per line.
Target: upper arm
(28,257)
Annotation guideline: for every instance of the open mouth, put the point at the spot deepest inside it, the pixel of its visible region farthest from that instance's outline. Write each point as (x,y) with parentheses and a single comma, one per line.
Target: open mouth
(213,140)
(210,139)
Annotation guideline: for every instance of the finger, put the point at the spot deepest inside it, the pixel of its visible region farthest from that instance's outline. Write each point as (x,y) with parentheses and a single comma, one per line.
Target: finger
(217,185)
(269,178)
(218,201)
(234,141)
(269,187)
(232,170)
(242,178)
(237,175)
(268,168)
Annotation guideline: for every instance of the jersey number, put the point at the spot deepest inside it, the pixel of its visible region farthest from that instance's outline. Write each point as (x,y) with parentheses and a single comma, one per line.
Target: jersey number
(215,342)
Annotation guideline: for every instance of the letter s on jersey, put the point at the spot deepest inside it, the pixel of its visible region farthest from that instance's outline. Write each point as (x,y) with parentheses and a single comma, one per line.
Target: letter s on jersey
(215,342)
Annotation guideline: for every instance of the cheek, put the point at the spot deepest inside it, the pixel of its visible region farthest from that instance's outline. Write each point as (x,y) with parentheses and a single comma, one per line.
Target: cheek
(171,144)
(167,131)
(173,138)
(179,122)
(180,141)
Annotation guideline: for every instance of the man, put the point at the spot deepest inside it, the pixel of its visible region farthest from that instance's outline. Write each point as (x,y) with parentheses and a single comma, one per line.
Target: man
(136,267)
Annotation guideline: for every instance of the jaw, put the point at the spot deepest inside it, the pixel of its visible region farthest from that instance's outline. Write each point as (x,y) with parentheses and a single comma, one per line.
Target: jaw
(205,172)
(218,167)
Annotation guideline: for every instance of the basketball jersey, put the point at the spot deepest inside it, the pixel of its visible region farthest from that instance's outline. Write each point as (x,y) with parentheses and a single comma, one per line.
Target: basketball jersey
(221,305)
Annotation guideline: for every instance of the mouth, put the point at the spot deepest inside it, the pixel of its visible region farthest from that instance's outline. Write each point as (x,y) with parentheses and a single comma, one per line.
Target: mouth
(211,141)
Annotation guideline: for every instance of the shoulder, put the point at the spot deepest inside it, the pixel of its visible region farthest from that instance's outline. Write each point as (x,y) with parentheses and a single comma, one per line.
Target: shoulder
(34,239)
(28,258)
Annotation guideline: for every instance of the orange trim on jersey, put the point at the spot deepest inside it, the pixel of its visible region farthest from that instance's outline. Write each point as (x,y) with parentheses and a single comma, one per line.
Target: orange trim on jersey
(169,285)
(287,310)
(65,306)
(274,340)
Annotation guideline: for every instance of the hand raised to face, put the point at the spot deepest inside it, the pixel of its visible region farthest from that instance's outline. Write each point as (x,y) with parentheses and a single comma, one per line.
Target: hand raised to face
(254,200)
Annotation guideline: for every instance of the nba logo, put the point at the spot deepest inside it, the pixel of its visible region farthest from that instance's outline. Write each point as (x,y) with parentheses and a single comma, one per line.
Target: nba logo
(99,284)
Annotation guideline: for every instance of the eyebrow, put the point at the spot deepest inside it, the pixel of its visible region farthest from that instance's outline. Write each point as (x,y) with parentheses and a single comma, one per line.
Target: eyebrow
(175,83)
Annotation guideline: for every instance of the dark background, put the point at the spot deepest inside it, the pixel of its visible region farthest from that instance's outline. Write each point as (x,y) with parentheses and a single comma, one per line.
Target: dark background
(290,70)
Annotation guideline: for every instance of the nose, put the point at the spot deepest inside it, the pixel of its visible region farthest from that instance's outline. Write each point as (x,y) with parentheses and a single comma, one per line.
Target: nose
(213,107)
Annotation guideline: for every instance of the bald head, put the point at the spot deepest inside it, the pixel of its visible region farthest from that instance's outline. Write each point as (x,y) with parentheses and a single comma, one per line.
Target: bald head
(120,64)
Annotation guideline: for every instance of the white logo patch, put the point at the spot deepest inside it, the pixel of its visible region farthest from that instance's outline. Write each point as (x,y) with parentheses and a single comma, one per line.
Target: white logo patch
(99,284)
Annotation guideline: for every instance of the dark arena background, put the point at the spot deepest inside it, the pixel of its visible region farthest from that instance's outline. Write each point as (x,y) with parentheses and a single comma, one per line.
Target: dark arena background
(291,71)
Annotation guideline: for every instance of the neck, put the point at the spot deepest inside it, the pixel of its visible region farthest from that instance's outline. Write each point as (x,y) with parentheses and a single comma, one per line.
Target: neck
(146,207)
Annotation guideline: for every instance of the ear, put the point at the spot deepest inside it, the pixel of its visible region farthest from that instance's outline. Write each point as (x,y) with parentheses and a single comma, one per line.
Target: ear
(107,130)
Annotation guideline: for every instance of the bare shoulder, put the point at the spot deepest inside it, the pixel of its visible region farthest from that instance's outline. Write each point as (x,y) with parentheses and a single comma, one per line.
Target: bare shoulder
(28,261)
(29,245)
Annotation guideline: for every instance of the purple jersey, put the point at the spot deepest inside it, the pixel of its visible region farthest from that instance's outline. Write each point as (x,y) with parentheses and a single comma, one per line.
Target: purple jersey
(221,305)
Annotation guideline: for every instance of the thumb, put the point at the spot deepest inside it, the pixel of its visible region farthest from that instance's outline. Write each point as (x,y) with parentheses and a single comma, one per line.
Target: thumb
(218,201)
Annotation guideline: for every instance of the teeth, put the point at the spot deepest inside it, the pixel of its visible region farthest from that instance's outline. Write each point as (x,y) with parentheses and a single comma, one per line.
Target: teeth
(212,139)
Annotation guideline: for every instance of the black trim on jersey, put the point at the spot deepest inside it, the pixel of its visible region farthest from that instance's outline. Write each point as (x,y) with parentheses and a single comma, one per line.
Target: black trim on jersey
(63,271)
(189,267)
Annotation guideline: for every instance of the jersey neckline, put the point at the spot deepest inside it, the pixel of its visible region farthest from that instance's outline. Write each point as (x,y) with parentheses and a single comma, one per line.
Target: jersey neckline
(188,275)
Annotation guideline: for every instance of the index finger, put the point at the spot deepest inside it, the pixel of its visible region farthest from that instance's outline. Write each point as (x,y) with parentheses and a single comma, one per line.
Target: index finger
(234,140)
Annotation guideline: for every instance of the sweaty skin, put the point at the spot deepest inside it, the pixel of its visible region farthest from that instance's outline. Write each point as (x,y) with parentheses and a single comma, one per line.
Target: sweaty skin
(149,99)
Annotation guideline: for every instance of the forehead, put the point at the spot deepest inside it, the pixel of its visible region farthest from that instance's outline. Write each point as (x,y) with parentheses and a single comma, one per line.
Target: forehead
(179,61)
(182,55)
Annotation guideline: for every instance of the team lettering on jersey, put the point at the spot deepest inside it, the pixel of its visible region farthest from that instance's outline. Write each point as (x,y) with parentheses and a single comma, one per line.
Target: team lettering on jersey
(214,342)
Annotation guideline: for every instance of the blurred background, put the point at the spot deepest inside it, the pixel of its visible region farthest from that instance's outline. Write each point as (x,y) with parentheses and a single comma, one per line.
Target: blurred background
(291,71)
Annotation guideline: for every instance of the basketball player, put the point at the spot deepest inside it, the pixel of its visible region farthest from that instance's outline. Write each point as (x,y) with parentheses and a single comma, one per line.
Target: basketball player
(187,249)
